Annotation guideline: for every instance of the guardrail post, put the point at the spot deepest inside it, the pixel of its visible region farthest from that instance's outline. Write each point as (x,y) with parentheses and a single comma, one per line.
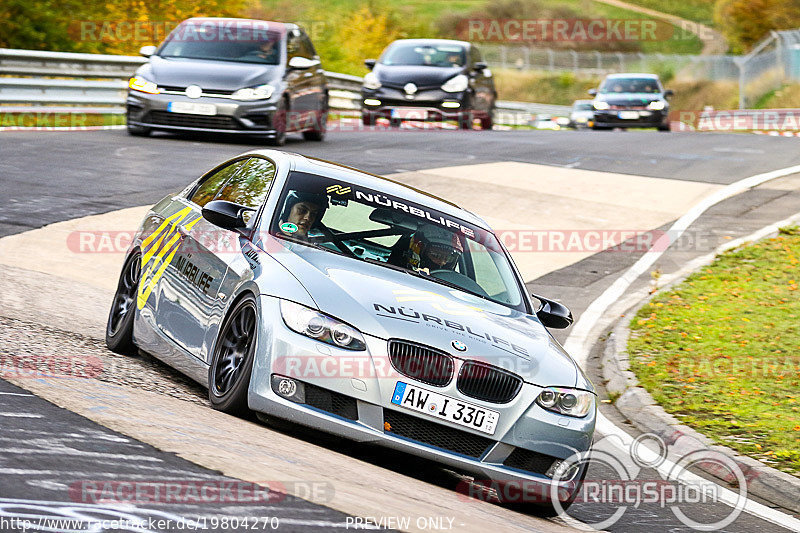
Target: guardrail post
(551,59)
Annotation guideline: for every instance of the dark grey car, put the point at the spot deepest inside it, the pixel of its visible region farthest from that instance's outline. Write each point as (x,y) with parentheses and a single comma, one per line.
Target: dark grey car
(631,101)
(237,76)
(429,79)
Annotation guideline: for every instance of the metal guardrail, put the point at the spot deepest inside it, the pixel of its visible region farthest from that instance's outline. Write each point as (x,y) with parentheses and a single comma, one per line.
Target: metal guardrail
(31,79)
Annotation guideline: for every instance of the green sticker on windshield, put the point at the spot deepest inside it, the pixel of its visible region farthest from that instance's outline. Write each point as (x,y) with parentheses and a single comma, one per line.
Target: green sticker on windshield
(288,227)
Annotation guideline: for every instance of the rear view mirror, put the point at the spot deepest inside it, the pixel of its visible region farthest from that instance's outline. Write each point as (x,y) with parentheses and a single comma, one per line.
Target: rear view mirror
(480,65)
(147,51)
(369,63)
(668,93)
(226,215)
(553,314)
(302,63)
(593,92)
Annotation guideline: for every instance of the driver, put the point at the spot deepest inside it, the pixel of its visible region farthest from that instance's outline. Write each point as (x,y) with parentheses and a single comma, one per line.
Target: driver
(433,248)
(301,211)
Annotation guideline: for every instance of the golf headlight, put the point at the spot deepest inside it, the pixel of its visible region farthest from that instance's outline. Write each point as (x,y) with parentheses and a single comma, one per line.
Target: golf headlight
(371,81)
(138,83)
(601,105)
(570,402)
(657,105)
(261,92)
(314,324)
(456,85)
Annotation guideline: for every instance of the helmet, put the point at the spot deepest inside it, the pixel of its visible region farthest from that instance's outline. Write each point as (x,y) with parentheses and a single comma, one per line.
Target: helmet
(442,242)
(295,197)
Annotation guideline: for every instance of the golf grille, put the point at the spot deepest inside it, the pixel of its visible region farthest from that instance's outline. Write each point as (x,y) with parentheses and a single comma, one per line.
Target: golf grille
(166,118)
(421,362)
(331,402)
(488,383)
(523,459)
(435,434)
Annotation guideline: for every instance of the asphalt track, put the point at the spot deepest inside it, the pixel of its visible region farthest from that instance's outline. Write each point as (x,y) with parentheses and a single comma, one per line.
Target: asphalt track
(49,177)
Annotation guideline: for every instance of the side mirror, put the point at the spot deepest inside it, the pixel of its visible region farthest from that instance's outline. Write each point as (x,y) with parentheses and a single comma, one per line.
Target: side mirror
(480,65)
(668,93)
(369,63)
(553,314)
(593,92)
(302,63)
(226,215)
(147,51)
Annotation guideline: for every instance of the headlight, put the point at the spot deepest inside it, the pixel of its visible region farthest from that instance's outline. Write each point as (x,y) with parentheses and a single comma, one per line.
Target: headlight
(371,81)
(456,85)
(570,402)
(138,83)
(261,92)
(601,105)
(657,105)
(314,324)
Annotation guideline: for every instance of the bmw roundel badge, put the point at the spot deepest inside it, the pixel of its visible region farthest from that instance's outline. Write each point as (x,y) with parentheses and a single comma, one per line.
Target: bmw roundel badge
(460,346)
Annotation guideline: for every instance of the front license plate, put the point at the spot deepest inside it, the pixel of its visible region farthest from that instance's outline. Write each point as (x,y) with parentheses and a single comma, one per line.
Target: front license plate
(192,108)
(628,115)
(410,113)
(446,408)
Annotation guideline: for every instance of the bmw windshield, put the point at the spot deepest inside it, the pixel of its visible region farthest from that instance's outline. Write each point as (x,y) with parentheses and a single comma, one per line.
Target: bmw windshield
(243,42)
(385,230)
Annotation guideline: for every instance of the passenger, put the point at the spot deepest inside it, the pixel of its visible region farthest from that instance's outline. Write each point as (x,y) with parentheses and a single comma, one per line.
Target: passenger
(433,248)
(301,211)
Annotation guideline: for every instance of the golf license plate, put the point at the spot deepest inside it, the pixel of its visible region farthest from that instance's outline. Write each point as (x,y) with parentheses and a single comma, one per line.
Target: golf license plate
(192,108)
(444,407)
(410,113)
(628,115)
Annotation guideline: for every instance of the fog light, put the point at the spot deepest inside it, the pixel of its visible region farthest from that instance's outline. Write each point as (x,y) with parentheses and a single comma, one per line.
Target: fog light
(563,471)
(288,388)
(451,105)
(372,101)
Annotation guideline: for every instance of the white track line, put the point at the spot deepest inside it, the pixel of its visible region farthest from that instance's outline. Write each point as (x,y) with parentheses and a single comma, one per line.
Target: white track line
(579,341)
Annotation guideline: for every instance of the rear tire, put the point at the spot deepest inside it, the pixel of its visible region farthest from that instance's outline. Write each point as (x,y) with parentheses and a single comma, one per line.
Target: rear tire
(321,125)
(119,328)
(232,363)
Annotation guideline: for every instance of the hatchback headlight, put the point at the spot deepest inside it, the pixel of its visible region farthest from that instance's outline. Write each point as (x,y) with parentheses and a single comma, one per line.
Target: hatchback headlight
(138,83)
(657,105)
(456,85)
(371,81)
(601,105)
(565,401)
(311,323)
(260,92)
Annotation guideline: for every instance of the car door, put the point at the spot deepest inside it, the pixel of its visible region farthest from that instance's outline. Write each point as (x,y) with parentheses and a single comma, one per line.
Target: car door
(187,290)
(214,262)
(318,94)
(305,85)
(481,81)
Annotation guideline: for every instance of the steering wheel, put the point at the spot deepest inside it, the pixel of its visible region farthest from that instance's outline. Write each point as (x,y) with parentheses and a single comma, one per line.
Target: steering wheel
(457,278)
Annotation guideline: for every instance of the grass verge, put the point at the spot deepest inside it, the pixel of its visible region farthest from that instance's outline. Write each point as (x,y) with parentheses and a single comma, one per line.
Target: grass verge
(722,350)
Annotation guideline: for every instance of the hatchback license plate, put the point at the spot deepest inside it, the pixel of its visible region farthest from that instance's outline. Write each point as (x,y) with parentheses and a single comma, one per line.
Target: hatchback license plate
(628,115)
(445,408)
(410,113)
(191,108)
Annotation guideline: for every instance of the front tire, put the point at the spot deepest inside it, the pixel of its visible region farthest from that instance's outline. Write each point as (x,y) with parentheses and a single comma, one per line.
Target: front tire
(279,124)
(138,131)
(232,363)
(320,127)
(119,328)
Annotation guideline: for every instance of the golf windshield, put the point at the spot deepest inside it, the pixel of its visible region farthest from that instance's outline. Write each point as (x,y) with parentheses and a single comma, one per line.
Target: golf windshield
(630,85)
(390,231)
(244,42)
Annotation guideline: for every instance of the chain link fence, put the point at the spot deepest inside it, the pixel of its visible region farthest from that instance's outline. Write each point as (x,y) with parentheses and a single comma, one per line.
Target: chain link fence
(773,62)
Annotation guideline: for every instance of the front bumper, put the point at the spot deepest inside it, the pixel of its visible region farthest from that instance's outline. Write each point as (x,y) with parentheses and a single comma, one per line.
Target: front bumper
(351,398)
(233,116)
(646,118)
(435,101)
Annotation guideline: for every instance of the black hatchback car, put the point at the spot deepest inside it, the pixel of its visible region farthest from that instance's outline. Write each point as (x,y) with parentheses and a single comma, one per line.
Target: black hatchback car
(631,101)
(233,76)
(429,79)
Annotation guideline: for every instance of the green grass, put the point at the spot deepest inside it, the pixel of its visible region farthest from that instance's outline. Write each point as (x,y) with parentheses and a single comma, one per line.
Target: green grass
(49,120)
(722,350)
(701,11)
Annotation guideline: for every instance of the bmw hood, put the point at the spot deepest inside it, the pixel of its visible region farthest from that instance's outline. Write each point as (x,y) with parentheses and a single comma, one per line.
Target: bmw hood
(391,304)
(220,75)
(421,76)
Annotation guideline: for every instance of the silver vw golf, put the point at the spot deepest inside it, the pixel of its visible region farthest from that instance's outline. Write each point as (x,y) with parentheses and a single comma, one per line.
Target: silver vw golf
(315,293)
